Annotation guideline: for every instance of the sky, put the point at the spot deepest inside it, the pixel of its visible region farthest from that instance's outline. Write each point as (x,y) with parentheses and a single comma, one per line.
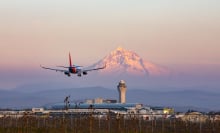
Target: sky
(183,35)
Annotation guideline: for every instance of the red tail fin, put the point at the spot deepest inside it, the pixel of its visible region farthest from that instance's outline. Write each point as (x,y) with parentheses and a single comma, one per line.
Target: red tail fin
(70,60)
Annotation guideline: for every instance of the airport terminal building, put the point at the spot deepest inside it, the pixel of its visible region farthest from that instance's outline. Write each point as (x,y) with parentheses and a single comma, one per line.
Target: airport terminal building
(106,105)
(99,103)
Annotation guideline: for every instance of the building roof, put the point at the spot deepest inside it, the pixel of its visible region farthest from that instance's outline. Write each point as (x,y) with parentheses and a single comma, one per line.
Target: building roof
(118,106)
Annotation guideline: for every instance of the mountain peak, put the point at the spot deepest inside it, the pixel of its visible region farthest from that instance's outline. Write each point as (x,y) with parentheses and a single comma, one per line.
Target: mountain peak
(119,48)
(124,62)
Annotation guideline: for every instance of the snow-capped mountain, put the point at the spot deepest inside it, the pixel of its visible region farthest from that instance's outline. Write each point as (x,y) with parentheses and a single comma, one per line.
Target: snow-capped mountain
(125,62)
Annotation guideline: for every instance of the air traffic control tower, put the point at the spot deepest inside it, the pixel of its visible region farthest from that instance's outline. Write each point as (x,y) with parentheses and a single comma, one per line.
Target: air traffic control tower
(122,91)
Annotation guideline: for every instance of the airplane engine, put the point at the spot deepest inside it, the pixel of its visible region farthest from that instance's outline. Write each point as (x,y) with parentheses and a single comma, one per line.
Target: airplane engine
(85,73)
(67,73)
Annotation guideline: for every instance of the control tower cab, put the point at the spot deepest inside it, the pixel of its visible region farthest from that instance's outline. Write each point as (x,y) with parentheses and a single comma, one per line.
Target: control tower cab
(122,88)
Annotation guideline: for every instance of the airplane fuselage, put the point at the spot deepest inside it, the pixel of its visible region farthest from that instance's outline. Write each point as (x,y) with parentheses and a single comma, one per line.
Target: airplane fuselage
(73,70)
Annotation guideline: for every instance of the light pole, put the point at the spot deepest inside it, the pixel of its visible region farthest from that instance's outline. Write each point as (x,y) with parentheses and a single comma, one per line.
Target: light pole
(67,103)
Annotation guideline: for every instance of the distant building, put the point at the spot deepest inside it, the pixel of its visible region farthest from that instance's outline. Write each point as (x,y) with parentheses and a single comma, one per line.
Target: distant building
(37,110)
(112,106)
(168,110)
(122,88)
(98,100)
(109,101)
(89,101)
(157,110)
(194,117)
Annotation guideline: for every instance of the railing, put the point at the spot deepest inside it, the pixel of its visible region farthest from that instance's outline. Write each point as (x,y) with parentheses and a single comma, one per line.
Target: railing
(109,123)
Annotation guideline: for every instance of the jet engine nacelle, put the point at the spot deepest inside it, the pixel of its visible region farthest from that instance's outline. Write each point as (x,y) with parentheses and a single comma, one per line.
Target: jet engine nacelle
(67,73)
(85,73)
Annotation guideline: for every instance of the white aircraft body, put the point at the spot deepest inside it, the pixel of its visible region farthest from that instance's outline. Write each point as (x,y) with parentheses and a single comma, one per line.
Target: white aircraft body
(73,69)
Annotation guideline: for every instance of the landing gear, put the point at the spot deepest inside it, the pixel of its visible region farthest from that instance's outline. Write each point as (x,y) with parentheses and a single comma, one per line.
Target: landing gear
(67,73)
(84,73)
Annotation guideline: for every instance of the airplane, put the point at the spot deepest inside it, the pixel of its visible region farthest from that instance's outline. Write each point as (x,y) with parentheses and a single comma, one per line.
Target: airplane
(73,69)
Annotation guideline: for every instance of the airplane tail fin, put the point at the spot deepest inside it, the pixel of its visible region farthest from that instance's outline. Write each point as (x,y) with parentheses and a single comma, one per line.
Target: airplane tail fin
(70,60)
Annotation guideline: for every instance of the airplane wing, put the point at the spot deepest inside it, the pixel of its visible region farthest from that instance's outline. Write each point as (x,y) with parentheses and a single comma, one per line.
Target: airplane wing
(57,70)
(93,69)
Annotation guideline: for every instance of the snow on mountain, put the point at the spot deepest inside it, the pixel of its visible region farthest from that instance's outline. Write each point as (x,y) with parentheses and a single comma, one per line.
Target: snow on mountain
(122,61)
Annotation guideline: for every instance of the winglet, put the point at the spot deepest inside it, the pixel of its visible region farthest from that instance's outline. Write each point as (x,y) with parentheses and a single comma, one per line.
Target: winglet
(42,66)
(104,66)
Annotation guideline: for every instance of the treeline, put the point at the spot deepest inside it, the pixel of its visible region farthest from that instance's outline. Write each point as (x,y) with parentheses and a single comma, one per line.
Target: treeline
(110,124)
